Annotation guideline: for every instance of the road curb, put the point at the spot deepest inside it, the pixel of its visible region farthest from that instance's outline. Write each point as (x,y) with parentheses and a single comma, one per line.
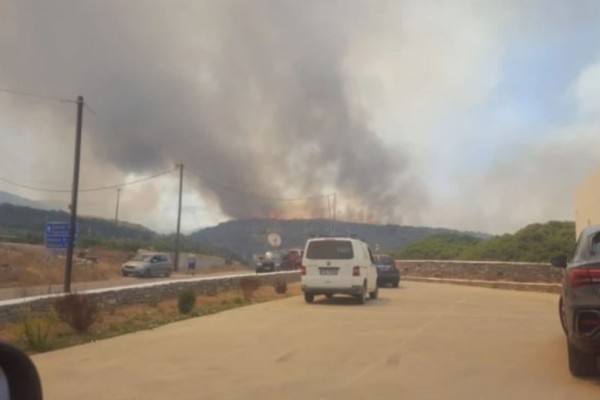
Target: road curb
(523,286)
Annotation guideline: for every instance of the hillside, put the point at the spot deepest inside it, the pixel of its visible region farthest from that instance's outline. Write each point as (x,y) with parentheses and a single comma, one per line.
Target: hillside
(26,224)
(9,198)
(17,220)
(535,242)
(248,237)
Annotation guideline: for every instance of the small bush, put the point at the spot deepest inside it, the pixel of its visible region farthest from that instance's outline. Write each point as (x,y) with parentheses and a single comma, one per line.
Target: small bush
(238,301)
(153,301)
(280,286)
(38,332)
(249,286)
(186,301)
(78,311)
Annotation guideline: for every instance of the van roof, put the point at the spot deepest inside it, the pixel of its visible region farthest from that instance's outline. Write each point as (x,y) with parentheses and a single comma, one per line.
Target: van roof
(336,238)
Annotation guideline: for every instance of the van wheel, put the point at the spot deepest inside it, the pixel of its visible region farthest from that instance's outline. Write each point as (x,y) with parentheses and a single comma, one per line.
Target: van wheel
(396,283)
(309,297)
(581,364)
(374,294)
(148,273)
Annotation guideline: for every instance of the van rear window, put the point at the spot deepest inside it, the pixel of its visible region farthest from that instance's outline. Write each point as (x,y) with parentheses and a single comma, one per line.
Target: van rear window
(330,250)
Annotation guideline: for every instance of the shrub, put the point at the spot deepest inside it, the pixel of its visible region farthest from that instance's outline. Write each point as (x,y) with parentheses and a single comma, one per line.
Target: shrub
(186,301)
(153,301)
(280,286)
(38,332)
(78,311)
(238,301)
(249,286)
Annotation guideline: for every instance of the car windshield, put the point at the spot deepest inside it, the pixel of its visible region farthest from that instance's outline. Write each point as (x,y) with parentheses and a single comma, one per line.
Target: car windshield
(330,250)
(142,257)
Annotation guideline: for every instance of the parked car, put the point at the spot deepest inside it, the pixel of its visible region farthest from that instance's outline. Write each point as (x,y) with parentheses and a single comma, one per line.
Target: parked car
(292,260)
(271,262)
(387,272)
(338,266)
(579,304)
(148,265)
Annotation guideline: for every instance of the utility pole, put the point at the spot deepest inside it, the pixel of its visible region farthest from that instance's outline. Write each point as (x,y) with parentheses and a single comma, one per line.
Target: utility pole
(177,237)
(334,210)
(117,210)
(74,197)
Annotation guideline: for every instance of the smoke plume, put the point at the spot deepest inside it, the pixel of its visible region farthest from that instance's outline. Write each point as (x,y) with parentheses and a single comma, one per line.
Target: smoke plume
(251,96)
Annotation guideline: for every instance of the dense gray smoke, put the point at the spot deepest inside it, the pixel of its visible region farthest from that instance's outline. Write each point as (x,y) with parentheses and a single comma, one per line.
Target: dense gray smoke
(249,95)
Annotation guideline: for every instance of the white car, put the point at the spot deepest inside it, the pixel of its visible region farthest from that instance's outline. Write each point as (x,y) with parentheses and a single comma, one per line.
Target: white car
(338,265)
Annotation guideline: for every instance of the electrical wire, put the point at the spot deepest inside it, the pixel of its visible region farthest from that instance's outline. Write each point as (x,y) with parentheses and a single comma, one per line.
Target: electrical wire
(36,95)
(88,190)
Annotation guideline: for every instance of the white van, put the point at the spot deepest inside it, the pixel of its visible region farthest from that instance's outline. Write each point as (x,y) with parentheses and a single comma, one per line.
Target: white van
(338,265)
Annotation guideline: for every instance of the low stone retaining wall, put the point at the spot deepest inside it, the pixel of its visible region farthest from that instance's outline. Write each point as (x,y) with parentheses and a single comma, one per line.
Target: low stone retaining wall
(481,270)
(537,277)
(12,310)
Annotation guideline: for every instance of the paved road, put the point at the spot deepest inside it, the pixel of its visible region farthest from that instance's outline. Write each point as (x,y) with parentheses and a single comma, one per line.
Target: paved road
(422,341)
(19,292)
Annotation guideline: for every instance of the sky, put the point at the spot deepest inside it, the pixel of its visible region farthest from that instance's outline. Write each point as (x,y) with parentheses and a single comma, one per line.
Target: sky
(470,115)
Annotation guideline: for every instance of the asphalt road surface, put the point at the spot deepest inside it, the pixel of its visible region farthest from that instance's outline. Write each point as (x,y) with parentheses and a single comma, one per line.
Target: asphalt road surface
(422,341)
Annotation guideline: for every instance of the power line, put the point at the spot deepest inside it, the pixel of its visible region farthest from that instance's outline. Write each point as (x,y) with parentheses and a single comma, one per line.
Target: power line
(88,190)
(251,194)
(36,95)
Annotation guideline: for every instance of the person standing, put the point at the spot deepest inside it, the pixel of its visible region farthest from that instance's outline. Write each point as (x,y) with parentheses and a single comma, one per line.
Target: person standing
(191,264)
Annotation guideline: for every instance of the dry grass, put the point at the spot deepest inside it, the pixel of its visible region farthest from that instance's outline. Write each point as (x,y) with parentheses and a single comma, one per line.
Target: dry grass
(26,265)
(127,319)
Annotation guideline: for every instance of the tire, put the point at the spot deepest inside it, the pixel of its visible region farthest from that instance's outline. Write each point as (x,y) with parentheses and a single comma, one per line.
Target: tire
(396,284)
(329,296)
(124,274)
(168,274)
(581,364)
(374,294)
(147,273)
(561,315)
(362,298)
(309,298)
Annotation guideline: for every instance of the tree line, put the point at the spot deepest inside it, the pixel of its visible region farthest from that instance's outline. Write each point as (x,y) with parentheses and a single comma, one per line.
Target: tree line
(533,243)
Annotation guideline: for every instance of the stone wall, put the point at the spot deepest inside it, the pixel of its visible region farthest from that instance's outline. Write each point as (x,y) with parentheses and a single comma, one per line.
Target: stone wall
(12,310)
(481,270)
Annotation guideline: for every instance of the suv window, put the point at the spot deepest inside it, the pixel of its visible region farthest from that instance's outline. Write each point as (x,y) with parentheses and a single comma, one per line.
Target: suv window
(330,250)
(385,260)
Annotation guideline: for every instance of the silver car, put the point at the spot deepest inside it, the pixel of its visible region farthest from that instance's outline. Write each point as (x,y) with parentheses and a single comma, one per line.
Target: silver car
(148,265)
(579,305)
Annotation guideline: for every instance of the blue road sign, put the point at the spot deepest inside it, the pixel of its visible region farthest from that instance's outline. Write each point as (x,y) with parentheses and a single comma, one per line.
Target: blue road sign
(57,228)
(57,235)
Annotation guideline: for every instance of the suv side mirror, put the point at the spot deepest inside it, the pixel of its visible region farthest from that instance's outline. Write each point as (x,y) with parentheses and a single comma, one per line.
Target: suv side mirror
(19,379)
(559,262)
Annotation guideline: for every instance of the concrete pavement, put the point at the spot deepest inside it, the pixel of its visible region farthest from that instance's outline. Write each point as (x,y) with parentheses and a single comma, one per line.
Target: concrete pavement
(422,341)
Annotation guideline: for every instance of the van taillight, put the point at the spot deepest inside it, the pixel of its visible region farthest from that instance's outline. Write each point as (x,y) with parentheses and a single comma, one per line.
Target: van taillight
(303,270)
(583,276)
(356,271)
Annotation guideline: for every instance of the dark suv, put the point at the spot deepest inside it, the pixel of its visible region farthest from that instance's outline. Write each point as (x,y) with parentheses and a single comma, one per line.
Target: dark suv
(387,272)
(579,304)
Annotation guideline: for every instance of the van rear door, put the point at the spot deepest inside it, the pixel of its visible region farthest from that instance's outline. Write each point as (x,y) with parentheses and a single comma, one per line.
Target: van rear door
(329,263)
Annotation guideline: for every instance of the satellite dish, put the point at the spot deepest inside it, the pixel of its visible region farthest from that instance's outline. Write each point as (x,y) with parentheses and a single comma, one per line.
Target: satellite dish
(274,240)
